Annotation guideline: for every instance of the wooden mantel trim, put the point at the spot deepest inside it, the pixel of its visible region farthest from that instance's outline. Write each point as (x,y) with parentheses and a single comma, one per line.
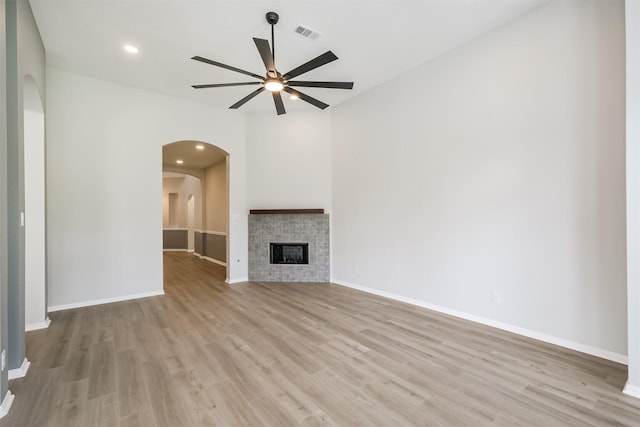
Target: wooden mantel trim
(285,211)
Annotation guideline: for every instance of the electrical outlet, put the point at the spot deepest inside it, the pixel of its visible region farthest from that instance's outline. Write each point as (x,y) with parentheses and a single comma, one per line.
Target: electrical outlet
(4,360)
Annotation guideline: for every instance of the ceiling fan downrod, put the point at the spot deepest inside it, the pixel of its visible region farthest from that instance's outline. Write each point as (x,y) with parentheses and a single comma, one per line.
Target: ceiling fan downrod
(272,19)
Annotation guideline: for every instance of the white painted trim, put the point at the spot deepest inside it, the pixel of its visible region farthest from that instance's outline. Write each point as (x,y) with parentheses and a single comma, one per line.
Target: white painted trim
(39,325)
(175,229)
(104,301)
(631,390)
(240,280)
(598,352)
(222,263)
(174,250)
(6,403)
(190,250)
(217,233)
(632,46)
(21,371)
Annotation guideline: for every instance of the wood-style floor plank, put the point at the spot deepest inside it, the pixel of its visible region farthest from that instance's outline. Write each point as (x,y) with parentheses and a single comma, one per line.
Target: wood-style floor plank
(71,405)
(300,354)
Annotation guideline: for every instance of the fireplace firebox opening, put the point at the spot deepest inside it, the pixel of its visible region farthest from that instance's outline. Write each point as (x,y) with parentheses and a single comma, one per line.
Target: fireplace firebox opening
(289,253)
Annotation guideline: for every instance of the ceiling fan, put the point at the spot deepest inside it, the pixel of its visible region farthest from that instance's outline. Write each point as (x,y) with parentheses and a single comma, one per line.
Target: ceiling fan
(274,81)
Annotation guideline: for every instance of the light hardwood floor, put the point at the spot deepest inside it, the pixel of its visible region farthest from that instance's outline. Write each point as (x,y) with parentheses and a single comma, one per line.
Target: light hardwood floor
(295,354)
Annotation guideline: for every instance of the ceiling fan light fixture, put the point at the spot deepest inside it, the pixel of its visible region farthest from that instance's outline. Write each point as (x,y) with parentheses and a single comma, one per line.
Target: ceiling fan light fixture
(273,85)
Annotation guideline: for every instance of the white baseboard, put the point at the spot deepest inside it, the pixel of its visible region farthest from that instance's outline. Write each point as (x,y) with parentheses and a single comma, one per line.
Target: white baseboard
(103,301)
(631,390)
(6,403)
(215,233)
(594,351)
(222,263)
(240,280)
(38,325)
(21,371)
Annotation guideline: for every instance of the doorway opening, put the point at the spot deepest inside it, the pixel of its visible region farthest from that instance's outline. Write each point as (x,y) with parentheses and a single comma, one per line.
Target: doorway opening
(195,193)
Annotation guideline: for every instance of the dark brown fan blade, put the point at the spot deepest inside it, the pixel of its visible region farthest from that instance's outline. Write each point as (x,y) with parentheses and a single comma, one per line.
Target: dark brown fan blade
(225,85)
(247,98)
(307,98)
(267,57)
(328,85)
(316,62)
(228,67)
(277,99)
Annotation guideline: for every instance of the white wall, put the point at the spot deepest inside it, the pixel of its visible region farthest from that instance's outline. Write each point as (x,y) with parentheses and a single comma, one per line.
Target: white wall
(105,228)
(496,167)
(216,208)
(184,186)
(170,212)
(289,160)
(35,230)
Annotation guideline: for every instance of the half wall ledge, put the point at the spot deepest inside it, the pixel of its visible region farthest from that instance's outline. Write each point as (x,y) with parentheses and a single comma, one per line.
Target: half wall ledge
(285,211)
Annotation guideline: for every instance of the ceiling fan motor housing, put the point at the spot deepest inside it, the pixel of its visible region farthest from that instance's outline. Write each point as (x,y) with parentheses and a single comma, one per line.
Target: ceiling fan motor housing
(272,18)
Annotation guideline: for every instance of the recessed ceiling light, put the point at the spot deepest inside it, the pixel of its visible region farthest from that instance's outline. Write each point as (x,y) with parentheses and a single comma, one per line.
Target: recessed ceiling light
(200,147)
(179,162)
(130,48)
(294,97)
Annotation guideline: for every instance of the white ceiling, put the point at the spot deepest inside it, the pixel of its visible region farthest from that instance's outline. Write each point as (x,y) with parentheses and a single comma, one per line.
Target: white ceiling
(192,157)
(375,40)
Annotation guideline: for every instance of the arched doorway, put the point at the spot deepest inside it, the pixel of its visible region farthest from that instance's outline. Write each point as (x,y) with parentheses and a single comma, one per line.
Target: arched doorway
(196,200)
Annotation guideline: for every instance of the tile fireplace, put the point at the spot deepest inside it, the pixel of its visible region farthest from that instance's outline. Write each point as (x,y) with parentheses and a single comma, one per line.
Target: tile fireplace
(289,246)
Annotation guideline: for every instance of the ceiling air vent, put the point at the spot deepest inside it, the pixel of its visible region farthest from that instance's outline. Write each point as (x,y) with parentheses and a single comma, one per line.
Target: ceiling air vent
(307,33)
